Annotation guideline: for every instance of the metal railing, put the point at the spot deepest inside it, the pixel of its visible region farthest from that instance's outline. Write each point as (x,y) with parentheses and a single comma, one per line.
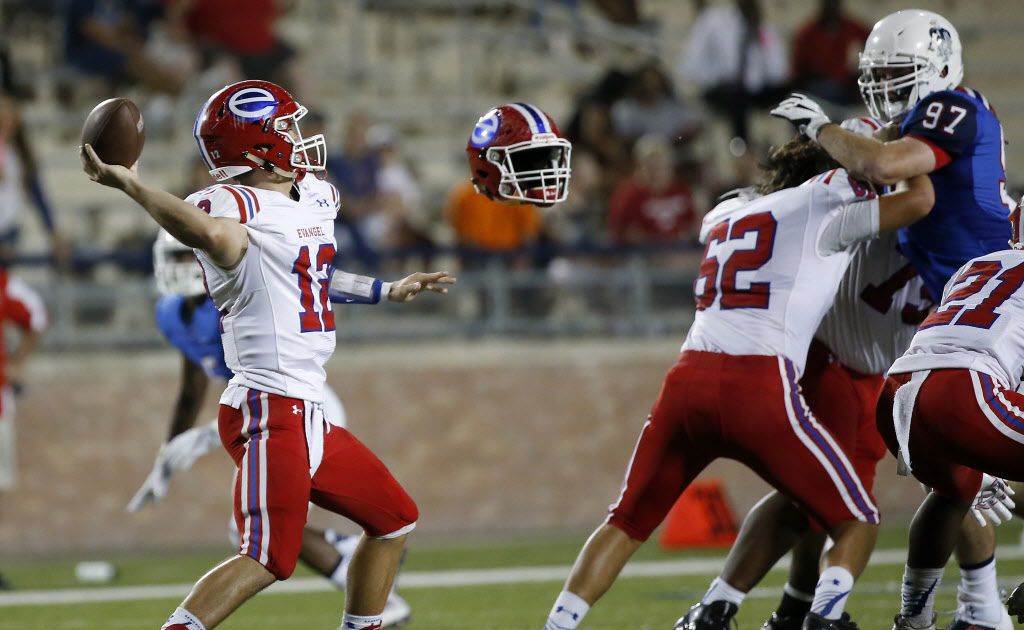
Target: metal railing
(578,292)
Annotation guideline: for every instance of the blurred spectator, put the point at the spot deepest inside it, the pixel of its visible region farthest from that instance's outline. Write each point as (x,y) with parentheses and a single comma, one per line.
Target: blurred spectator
(592,132)
(736,59)
(485,225)
(19,174)
(354,172)
(825,54)
(652,108)
(106,39)
(653,205)
(399,200)
(244,30)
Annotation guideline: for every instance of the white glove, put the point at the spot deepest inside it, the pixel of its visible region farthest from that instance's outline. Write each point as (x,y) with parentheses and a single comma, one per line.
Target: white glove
(176,455)
(187,447)
(993,501)
(805,114)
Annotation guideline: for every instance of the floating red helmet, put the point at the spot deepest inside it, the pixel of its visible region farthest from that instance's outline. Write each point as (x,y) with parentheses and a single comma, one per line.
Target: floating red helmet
(254,124)
(516,153)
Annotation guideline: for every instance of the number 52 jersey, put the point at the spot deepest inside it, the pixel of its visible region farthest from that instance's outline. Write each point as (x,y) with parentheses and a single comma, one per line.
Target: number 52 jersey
(978,326)
(771,268)
(277,326)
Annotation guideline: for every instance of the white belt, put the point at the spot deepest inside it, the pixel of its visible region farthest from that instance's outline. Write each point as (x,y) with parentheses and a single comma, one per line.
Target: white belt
(314,426)
(902,414)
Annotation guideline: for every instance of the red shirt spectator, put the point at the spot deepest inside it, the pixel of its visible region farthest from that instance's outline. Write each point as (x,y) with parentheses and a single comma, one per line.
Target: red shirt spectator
(653,204)
(825,48)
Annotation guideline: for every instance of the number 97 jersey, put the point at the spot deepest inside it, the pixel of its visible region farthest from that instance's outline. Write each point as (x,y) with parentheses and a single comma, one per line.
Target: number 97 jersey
(770,271)
(978,326)
(277,326)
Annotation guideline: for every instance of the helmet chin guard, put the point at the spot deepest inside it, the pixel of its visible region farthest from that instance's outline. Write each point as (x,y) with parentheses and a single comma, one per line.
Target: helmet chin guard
(908,55)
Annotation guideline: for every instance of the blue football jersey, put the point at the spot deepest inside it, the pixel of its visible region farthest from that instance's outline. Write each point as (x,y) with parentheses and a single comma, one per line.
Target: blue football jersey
(198,338)
(970,216)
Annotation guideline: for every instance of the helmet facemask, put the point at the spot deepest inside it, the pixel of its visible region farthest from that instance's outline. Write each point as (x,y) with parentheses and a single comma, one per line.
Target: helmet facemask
(536,171)
(891,86)
(176,270)
(308,154)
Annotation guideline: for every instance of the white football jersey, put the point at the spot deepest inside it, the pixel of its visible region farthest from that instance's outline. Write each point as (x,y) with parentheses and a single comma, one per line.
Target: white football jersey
(768,277)
(978,326)
(879,304)
(277,325)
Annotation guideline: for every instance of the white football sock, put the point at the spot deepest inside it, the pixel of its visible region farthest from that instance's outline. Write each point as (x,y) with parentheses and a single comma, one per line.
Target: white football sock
(833,590)
(356,622)
(185,618)
(919,586)
(567,613)
(978,596)
(721,590)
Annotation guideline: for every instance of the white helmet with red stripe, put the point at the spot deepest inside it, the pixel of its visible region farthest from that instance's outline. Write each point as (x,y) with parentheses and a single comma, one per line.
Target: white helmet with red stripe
(516,153)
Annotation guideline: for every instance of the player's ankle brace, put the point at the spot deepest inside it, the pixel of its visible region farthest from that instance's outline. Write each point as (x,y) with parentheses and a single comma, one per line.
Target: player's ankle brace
(918,594)
(978,598)
(720,590)
(567,613)
(182,618)
(358,622)
(833,590)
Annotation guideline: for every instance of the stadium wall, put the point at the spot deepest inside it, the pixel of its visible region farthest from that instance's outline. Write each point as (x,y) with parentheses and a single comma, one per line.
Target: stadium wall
(509,438)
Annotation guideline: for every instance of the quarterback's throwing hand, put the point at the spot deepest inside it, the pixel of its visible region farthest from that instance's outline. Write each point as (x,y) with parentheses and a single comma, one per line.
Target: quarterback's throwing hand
(406,289)
(107,174)
(805,114)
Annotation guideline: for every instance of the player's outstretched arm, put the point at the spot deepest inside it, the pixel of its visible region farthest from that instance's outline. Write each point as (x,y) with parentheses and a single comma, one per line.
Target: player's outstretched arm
(191,393)
(910,202)
(870,159)
(223,240)
(349,288)
(866,158)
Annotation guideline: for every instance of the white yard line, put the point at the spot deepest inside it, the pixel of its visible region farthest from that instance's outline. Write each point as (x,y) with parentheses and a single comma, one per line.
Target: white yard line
(437,579)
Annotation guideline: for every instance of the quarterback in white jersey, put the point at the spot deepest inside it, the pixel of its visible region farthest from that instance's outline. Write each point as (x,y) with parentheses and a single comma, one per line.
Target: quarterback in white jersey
(770,270)
(950,409)
(267,247)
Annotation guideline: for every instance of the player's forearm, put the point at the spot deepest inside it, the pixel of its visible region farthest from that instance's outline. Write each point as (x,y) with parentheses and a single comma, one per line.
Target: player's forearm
(224,241)
(190,398)
(349,288)
(861,156)
(911,202)
(885,163)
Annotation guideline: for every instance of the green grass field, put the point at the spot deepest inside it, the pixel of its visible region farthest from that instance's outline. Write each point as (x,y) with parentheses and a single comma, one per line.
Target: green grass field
(635,603)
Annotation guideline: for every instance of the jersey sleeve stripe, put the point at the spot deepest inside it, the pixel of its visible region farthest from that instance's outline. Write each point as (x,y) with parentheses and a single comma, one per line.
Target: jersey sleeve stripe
(942,157)
(241,204)
(829,176)
(870,122)
(30,300)
(254,201)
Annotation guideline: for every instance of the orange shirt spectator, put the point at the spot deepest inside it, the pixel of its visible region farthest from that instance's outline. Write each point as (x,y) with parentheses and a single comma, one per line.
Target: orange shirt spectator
(490,225)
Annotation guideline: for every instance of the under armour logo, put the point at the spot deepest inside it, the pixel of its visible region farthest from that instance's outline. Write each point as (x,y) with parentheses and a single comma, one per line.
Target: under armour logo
(323,203)
(575,616)
(296,409)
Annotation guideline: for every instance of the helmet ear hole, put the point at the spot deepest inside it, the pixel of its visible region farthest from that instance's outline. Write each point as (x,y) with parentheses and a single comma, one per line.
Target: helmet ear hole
(482,173)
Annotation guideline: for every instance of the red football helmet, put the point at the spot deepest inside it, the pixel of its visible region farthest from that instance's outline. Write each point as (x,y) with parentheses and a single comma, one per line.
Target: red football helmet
(516,153)
(256,124)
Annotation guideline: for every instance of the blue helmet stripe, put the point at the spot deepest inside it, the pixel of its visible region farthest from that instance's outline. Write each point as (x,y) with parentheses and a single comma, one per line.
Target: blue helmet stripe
(537,117)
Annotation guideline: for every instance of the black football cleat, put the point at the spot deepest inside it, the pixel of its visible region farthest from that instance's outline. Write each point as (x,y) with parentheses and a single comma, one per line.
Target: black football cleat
(711,616)
(783,622)
(814,621)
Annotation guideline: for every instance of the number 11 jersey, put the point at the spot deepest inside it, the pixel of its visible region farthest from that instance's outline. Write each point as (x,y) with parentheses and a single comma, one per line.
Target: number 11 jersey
(770,270)
(277,326)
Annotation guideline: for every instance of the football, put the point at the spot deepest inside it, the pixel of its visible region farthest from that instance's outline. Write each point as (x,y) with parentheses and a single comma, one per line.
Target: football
(116,131)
